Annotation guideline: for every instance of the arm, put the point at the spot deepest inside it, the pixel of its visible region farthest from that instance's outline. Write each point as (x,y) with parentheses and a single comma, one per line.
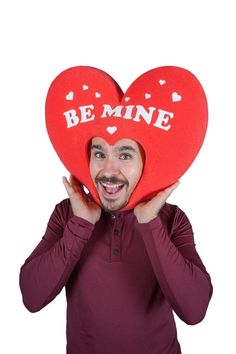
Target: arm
(180,273)
(48,268)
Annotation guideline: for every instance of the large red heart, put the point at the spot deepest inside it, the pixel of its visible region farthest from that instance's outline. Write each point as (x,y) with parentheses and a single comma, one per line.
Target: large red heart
(164,110)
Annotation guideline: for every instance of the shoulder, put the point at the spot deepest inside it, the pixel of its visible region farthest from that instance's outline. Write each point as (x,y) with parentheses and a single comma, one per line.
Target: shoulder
(173,217)
(170,210)
(62,212)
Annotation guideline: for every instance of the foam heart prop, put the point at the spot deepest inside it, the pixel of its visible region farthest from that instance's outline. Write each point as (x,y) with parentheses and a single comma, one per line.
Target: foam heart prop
(164,110)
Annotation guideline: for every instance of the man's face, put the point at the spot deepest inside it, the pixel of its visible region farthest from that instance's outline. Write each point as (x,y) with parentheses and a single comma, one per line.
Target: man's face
(115,170)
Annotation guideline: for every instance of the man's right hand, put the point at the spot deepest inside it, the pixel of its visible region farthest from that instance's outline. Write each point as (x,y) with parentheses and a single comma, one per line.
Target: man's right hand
(81,205)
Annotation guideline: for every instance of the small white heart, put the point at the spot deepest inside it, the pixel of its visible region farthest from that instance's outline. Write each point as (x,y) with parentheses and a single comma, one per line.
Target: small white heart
(176,97)
(147,96)
(70,96)
(162,82)
(85,87)
(97,95)
(127,99)
(111,130)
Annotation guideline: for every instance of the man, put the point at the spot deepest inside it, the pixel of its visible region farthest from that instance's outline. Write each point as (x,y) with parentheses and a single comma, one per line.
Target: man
(124,271)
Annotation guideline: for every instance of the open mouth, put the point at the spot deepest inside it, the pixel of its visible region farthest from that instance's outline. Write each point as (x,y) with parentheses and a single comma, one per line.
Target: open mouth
(111,190)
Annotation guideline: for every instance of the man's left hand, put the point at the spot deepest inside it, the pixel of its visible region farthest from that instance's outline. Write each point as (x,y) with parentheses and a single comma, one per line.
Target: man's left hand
(147,211)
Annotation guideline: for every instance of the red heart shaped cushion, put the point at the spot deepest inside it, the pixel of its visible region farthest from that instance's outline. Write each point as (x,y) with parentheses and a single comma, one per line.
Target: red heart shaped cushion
(164,110)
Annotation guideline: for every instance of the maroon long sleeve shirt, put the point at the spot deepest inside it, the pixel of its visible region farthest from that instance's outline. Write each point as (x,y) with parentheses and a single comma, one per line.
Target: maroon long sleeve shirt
(123,280)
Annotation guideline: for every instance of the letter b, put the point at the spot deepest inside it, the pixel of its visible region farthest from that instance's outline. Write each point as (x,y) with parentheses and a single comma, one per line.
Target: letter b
(71,118)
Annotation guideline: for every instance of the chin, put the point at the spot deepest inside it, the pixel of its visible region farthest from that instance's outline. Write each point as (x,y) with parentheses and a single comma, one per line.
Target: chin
(111,205)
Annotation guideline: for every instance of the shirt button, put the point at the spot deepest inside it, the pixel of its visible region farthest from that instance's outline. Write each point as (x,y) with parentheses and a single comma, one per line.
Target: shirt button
(115,251)
(113,216)
(116,232)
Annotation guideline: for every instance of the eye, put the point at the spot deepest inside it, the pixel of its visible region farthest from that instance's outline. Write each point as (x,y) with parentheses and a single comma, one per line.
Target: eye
(99,155)
(125,156)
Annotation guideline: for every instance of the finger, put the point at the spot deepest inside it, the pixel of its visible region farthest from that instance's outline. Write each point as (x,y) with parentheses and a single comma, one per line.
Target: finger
(67,186)
(72,180)
(162,196)
(170,189)
(78,187)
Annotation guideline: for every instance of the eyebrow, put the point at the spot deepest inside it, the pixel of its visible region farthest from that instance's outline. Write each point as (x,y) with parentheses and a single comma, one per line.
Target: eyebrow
(127,147)
(120,148)
(96,146)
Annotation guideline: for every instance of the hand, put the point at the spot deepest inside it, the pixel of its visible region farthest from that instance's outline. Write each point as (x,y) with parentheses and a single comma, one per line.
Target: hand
(81,205)
(147,211)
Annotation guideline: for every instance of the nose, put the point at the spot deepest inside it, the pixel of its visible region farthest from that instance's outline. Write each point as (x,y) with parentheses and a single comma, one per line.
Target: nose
(111,167)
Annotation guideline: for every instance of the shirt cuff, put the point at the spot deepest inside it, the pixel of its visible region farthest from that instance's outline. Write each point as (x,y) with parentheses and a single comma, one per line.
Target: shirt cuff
(80,227)
(151,225)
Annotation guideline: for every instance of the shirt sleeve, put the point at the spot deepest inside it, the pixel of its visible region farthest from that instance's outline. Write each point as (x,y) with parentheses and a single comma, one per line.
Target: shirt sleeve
(50,265)
(179,270)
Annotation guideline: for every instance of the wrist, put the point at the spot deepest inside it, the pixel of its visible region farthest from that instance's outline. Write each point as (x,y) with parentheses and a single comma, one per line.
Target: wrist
(154,224)
(85,217)
(145,219)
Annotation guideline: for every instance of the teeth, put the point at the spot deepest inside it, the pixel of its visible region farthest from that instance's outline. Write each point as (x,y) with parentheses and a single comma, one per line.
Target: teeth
(112,185)
(112,188)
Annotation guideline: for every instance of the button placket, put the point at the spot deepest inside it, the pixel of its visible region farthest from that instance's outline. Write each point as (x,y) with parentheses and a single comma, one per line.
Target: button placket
(116,232)
(116,242)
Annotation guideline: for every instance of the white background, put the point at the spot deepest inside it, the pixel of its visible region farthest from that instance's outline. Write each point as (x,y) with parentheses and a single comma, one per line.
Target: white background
(40,39)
